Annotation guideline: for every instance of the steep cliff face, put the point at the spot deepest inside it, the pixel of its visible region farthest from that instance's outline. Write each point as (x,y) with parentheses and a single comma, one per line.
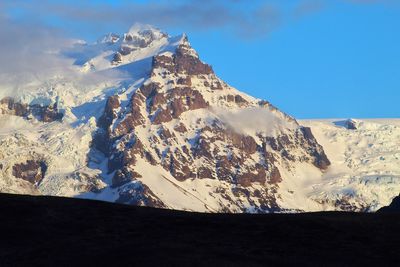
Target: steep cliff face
(177,125)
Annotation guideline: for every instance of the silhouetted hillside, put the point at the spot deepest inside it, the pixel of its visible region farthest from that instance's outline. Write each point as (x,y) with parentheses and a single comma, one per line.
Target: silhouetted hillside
(60,231)
(394,207)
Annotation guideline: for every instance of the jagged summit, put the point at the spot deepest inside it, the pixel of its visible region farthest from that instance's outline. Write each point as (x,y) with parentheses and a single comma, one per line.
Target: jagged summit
(140,42)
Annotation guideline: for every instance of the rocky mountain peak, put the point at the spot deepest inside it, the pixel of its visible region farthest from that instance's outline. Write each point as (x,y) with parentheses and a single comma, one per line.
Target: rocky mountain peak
(185,47)
(184,60)
(177,124)
(172,135)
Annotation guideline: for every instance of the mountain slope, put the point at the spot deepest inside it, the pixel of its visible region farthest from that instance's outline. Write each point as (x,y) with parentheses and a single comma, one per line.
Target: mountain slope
(181,140)
(148,123)
(365,171)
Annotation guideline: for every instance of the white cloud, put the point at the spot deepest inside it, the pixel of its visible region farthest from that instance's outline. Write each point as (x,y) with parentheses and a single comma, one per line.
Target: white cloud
(30,56)
(254,120)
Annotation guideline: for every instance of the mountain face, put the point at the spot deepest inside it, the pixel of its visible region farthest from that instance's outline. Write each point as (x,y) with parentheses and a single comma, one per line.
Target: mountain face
(174,125)
(167,133)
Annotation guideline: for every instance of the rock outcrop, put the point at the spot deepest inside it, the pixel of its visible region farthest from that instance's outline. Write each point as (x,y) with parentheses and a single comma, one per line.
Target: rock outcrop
(32,171)
(50,113)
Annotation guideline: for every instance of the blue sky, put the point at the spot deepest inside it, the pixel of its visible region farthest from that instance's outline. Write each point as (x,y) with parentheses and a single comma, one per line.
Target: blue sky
(338,62)
(312,59)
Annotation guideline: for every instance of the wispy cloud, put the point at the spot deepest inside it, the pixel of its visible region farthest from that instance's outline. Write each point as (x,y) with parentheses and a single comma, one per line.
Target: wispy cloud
(30,57)
(245,18)
(255,120)
(236,15)
(28,53)
(32,31)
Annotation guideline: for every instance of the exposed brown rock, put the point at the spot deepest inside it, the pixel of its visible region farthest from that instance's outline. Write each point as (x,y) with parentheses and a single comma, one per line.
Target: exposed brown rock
(192,99)
(42,113)
(230,98)
(275,176)
(165,134)
(182,99)
(186,63)
(9,106)
(150,89)
(121,177)
(248,177)
(163,115)
(202,148)
(177,107)
(139,194)
(224,169)
(320,159)
(165,62)
(182,62)
(216,85)
(185,81)
(50,115)
(32,171)
(204,173)
(109,113)
(156,101)
(132,119)
(245,143)
(150,158)
(180,128)
(240,100)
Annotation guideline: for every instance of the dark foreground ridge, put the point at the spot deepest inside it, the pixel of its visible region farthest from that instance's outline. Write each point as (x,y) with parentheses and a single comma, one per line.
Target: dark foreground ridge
(60,231)
(394,207)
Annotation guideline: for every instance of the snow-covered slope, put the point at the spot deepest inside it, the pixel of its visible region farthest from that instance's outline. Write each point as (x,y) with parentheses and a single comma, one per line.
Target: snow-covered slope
(365,171)
(146,122)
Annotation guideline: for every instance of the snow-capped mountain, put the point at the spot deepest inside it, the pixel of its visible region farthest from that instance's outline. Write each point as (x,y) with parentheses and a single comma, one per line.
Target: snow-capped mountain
(150,124)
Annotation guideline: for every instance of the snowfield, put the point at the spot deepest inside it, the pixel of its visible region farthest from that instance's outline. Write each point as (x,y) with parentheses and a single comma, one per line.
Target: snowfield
(365,170)
(365,162)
